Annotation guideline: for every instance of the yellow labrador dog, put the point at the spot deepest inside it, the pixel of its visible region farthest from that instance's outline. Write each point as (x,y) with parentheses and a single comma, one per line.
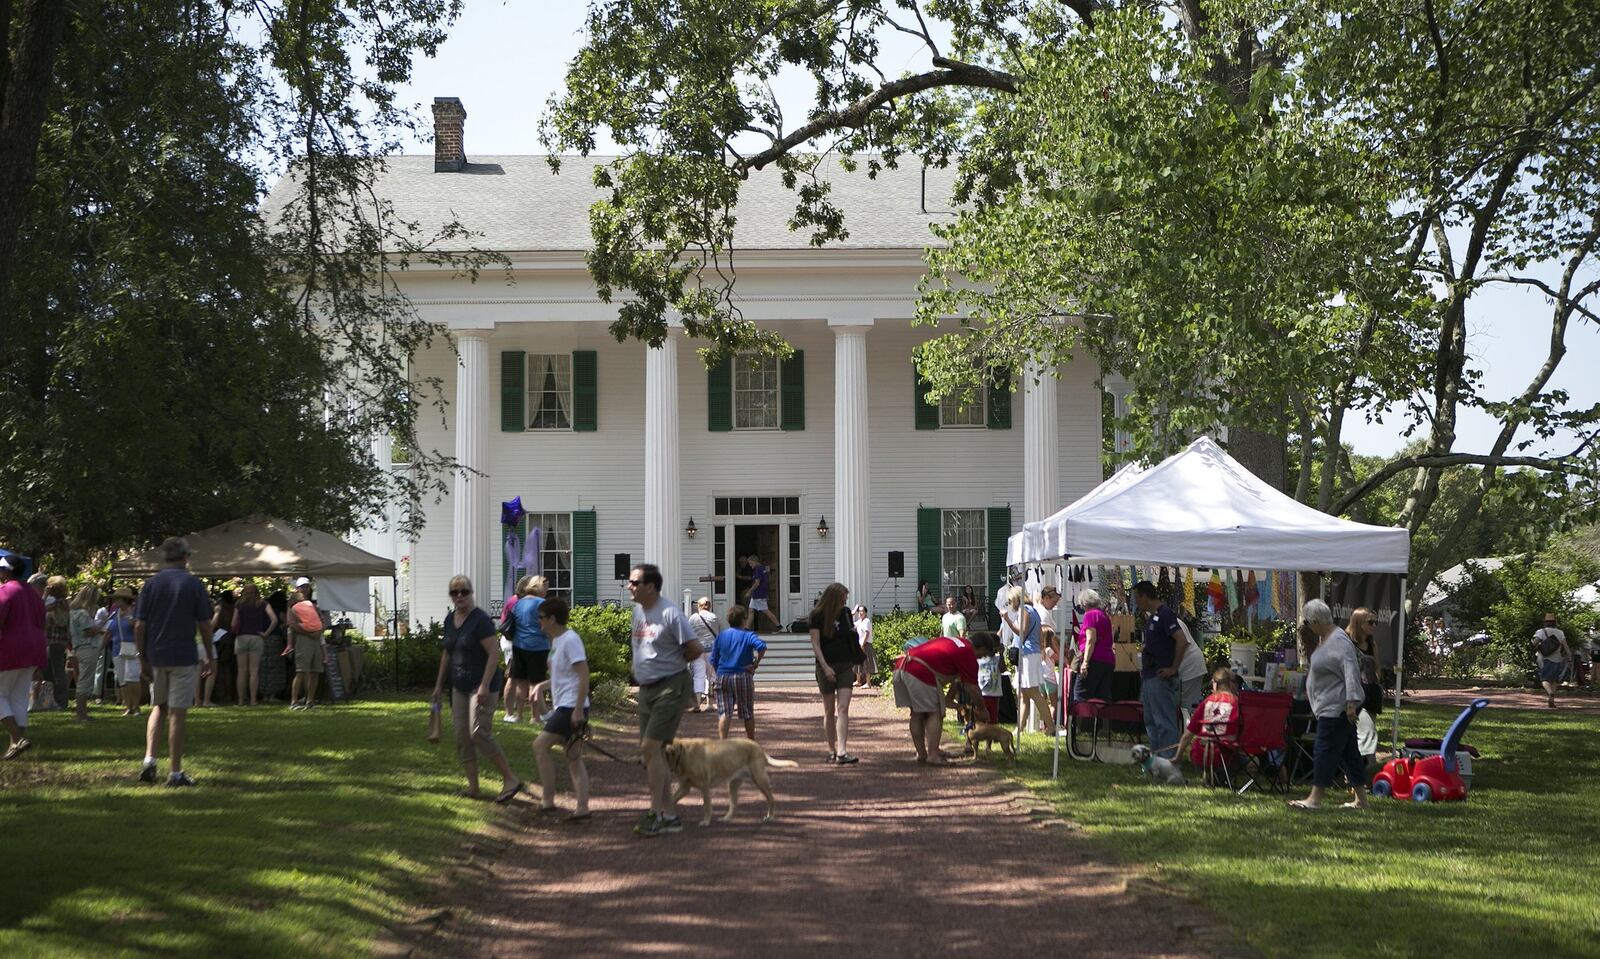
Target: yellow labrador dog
(705,763)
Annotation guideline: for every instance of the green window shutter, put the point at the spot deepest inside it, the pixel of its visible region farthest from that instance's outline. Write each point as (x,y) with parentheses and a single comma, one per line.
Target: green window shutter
(585,391)
(930,558)
(513,390)
(999,533)
(584,589)
(1000,400)
(719,397)
(927,413)
(792,396)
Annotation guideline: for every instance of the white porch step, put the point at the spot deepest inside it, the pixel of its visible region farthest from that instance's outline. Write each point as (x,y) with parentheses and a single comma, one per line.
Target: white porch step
(788,660)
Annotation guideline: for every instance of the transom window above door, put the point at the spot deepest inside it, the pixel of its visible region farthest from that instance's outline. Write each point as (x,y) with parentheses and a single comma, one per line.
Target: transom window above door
(755,392)
(757,506)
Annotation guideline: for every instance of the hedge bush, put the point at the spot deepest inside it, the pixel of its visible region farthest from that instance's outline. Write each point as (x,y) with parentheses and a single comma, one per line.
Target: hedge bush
(606,631)
(891,632)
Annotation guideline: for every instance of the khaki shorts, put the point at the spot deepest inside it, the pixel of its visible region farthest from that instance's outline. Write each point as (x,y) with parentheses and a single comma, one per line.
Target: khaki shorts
(661,706)
(911,692)
(174,686)
(249,643)
(308,653)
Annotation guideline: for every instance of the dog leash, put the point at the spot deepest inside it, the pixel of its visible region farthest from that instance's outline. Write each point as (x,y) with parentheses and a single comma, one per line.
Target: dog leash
(583,734)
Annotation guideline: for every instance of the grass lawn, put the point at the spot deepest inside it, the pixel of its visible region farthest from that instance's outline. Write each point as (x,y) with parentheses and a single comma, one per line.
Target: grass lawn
(1511,872)
(306,833)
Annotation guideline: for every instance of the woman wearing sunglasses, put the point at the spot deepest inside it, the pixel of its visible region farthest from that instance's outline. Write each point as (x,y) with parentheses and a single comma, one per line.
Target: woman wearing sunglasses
(471,661)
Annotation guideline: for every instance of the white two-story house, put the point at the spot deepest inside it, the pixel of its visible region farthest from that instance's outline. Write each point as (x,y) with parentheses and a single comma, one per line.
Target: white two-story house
(826,465)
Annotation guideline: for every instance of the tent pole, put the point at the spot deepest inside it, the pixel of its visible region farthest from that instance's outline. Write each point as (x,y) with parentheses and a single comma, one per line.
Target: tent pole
(394,628)
(1399,667)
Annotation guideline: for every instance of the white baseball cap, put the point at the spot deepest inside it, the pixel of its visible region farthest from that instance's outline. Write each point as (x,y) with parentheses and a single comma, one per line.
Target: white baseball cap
(5,563)
(302,581)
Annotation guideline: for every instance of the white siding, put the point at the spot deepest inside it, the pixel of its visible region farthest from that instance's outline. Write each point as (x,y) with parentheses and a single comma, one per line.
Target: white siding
(561,471)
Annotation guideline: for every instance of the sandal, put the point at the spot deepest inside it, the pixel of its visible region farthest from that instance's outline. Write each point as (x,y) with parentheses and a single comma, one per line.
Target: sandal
(18,749)
(468,794)
(1301,804)
(509,793)
(549,810)
(832,759)
(846,759)
(577,817)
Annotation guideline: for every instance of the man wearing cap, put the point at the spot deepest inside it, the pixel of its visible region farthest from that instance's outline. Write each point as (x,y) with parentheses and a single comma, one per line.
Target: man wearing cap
(173,611)
(21,652)
(306,624)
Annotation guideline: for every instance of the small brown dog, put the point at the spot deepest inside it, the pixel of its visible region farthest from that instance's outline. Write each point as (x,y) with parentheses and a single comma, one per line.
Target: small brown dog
(705,763)
(985,732)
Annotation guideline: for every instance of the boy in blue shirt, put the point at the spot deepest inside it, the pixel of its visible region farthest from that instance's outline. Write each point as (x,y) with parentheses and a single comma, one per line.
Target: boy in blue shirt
(735,656)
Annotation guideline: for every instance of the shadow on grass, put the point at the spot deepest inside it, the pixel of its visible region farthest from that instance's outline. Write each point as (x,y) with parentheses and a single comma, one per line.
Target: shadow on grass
(306,833)
(1495,876)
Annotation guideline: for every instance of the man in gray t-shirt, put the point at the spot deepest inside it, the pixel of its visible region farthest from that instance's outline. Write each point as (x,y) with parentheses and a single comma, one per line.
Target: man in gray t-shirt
(663,647)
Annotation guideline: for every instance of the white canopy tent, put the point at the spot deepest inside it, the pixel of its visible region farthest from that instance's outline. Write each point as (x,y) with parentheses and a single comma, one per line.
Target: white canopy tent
(1200,508)
(268,546)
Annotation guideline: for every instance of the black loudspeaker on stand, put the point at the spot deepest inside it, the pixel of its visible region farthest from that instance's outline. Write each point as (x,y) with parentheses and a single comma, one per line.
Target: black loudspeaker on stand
(897,564)
(621,563)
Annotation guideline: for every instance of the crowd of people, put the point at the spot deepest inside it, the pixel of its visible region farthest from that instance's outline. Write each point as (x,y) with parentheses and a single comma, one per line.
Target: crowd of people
(165,645)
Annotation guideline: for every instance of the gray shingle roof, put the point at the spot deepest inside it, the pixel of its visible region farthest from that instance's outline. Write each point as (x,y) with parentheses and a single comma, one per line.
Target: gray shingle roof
(518,205)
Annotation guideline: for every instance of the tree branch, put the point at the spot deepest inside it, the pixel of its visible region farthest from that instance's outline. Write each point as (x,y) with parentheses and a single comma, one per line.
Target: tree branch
(1551,464)
(952,73)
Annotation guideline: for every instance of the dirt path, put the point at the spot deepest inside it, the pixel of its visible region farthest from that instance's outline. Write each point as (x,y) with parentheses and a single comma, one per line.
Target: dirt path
(885,858)
(1568,698)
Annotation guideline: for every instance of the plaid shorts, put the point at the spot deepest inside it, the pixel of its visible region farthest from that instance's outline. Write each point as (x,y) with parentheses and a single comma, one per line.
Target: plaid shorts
(736,688)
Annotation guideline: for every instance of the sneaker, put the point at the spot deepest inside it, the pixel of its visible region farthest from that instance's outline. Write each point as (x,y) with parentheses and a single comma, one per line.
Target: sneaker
(508,718)
(179,779)
(148,773)
(670,824)
(295,706)
(648,826)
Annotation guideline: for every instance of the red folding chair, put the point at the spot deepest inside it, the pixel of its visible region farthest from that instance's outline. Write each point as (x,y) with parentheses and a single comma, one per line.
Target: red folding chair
(1263,731)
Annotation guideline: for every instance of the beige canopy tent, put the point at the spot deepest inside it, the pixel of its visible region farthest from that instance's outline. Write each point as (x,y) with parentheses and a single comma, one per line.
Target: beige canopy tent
(268,546)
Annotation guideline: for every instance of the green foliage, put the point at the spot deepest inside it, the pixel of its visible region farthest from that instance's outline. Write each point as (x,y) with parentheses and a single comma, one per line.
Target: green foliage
(890,633)
(607,633)
(1400,869)
(418,659)
(174,358)
(1265,216)
(1531,589)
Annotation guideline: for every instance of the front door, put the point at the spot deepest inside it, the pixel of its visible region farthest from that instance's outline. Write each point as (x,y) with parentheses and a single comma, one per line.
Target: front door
(761,541)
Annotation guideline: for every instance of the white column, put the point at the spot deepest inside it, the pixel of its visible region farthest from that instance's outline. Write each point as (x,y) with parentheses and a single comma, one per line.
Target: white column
(852,524)
(663,526)
(470,555)
(1041,439)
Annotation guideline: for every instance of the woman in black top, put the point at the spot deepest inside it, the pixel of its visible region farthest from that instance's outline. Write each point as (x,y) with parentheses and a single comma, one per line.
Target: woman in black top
(838,653)
(471,660)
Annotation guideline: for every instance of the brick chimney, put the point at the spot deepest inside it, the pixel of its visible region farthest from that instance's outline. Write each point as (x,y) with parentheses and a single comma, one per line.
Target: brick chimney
(449,125)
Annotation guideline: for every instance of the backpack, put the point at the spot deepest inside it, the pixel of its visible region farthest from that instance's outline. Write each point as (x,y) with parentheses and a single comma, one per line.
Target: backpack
(1548,643)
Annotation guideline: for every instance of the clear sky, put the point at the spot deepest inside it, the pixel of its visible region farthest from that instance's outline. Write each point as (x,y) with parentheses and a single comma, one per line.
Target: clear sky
(506,59)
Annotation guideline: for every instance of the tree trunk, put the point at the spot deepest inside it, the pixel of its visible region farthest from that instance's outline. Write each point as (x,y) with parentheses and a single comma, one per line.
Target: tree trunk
(25,99)
(1264,454)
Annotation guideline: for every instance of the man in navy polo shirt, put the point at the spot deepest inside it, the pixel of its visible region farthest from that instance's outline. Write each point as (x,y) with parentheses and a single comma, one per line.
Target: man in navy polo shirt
(171,620)
(1164,645)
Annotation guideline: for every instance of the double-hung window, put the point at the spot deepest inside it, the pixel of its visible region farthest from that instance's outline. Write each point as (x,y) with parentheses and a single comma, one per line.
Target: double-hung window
(755,392)
(549,391)
(963,545)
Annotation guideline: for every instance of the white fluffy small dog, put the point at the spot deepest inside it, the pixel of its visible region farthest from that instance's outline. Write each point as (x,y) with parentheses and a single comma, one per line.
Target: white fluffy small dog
(1163,771)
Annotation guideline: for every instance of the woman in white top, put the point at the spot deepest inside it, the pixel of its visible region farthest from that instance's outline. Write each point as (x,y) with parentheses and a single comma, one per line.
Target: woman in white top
(706,626)
(1333,684)
(870,659)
